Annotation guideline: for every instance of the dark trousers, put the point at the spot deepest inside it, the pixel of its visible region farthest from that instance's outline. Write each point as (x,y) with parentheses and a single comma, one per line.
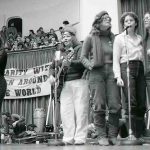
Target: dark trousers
(137,94)
(148,93)
(3,86)
(106,95)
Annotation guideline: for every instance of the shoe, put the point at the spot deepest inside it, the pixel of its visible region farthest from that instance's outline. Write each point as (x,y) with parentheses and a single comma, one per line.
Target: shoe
(103,141)
(79,143)
(141,139)
(67,143)
(113,141)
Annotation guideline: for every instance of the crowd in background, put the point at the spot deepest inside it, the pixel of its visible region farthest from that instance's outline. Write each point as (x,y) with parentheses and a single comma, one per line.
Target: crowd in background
(13,40)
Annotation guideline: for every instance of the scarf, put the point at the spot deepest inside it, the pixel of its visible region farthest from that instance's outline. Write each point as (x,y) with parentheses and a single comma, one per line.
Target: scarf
(98,53)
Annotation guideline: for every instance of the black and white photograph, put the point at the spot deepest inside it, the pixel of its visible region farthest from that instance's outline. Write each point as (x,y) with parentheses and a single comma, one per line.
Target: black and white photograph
(74,74)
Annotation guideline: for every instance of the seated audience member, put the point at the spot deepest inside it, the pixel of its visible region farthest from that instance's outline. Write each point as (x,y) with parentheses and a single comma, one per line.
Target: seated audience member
(21,46)
(41,30)
(14,46)
(19,38)
(53,41)
(42,44)
(52,32)
(27,43)
(38,33)
(33,44)
(13,121)
(12,29)
(46,43)
(32,35)
(9,43)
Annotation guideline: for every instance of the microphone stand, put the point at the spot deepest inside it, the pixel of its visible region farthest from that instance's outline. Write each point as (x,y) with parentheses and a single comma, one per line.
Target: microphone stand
(131,139)
(55,141)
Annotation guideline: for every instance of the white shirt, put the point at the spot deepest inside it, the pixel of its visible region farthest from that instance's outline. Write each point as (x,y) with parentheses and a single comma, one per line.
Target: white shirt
(124,48)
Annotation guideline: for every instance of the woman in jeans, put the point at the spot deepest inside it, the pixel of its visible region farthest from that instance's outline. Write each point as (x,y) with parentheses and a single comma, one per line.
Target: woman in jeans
(128,48)
(98,45)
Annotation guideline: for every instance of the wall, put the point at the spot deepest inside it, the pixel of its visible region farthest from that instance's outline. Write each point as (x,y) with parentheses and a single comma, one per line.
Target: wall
(36,13)
(89,8)
(51,13)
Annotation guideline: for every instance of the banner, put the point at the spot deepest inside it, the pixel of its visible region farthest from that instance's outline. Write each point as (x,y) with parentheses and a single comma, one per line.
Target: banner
(28,83)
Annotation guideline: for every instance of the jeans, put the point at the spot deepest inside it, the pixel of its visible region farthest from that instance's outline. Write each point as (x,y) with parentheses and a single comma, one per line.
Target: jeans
(106,95)
(74,110)
(137,87)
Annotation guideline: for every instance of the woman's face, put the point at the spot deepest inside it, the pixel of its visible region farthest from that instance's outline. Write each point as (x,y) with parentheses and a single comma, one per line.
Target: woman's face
(147,21)
(130,21)
(67,39)
(106,22)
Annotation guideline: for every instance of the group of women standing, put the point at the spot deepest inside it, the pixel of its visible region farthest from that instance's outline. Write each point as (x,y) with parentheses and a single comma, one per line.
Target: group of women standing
(112,62)
(116,62)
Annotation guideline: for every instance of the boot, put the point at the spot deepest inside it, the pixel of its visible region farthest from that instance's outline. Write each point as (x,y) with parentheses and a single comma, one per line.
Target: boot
(139,127)
(113,128)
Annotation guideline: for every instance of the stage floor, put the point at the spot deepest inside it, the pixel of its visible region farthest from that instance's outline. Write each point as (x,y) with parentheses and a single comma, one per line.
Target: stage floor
(83,147)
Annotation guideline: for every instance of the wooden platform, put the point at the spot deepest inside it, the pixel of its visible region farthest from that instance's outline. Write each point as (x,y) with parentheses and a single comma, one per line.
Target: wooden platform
(71,147)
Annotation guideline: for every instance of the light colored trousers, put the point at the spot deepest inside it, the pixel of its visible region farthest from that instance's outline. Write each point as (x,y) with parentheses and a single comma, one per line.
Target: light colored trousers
(74,110)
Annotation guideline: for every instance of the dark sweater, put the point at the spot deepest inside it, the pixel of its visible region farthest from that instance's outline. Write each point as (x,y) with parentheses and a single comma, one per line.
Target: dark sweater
(3,61)
(76,69)
(106,47)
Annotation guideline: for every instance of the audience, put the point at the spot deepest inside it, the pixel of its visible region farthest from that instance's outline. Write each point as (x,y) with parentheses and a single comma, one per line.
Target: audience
(13,41)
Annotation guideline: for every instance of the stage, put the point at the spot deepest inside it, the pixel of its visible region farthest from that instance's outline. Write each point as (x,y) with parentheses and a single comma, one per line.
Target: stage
(74,147)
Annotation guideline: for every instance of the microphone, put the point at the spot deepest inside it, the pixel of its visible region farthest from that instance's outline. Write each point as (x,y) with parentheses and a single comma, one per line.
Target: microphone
(127,27)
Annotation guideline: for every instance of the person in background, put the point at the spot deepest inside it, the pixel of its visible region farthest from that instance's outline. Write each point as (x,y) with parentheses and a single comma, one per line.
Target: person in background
(21,46)
(32,35)
(97,57)
(41,30)
(66,23)
(129,52)
(53,34)
(3,84)
(3,35)
(61,30)
(146,20)
(13,121)
(27,43)
(12,29)
(74,97)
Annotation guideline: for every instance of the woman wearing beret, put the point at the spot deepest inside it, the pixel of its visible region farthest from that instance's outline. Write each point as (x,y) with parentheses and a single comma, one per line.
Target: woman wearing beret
(97,57)
(129,53)
(74,98)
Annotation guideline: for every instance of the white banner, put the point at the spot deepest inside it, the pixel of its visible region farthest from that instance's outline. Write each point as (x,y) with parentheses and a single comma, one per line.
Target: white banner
(28,83)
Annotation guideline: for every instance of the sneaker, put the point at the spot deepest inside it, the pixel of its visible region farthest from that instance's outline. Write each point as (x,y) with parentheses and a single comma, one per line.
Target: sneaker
(103,141)
(68,143)
(79,142)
